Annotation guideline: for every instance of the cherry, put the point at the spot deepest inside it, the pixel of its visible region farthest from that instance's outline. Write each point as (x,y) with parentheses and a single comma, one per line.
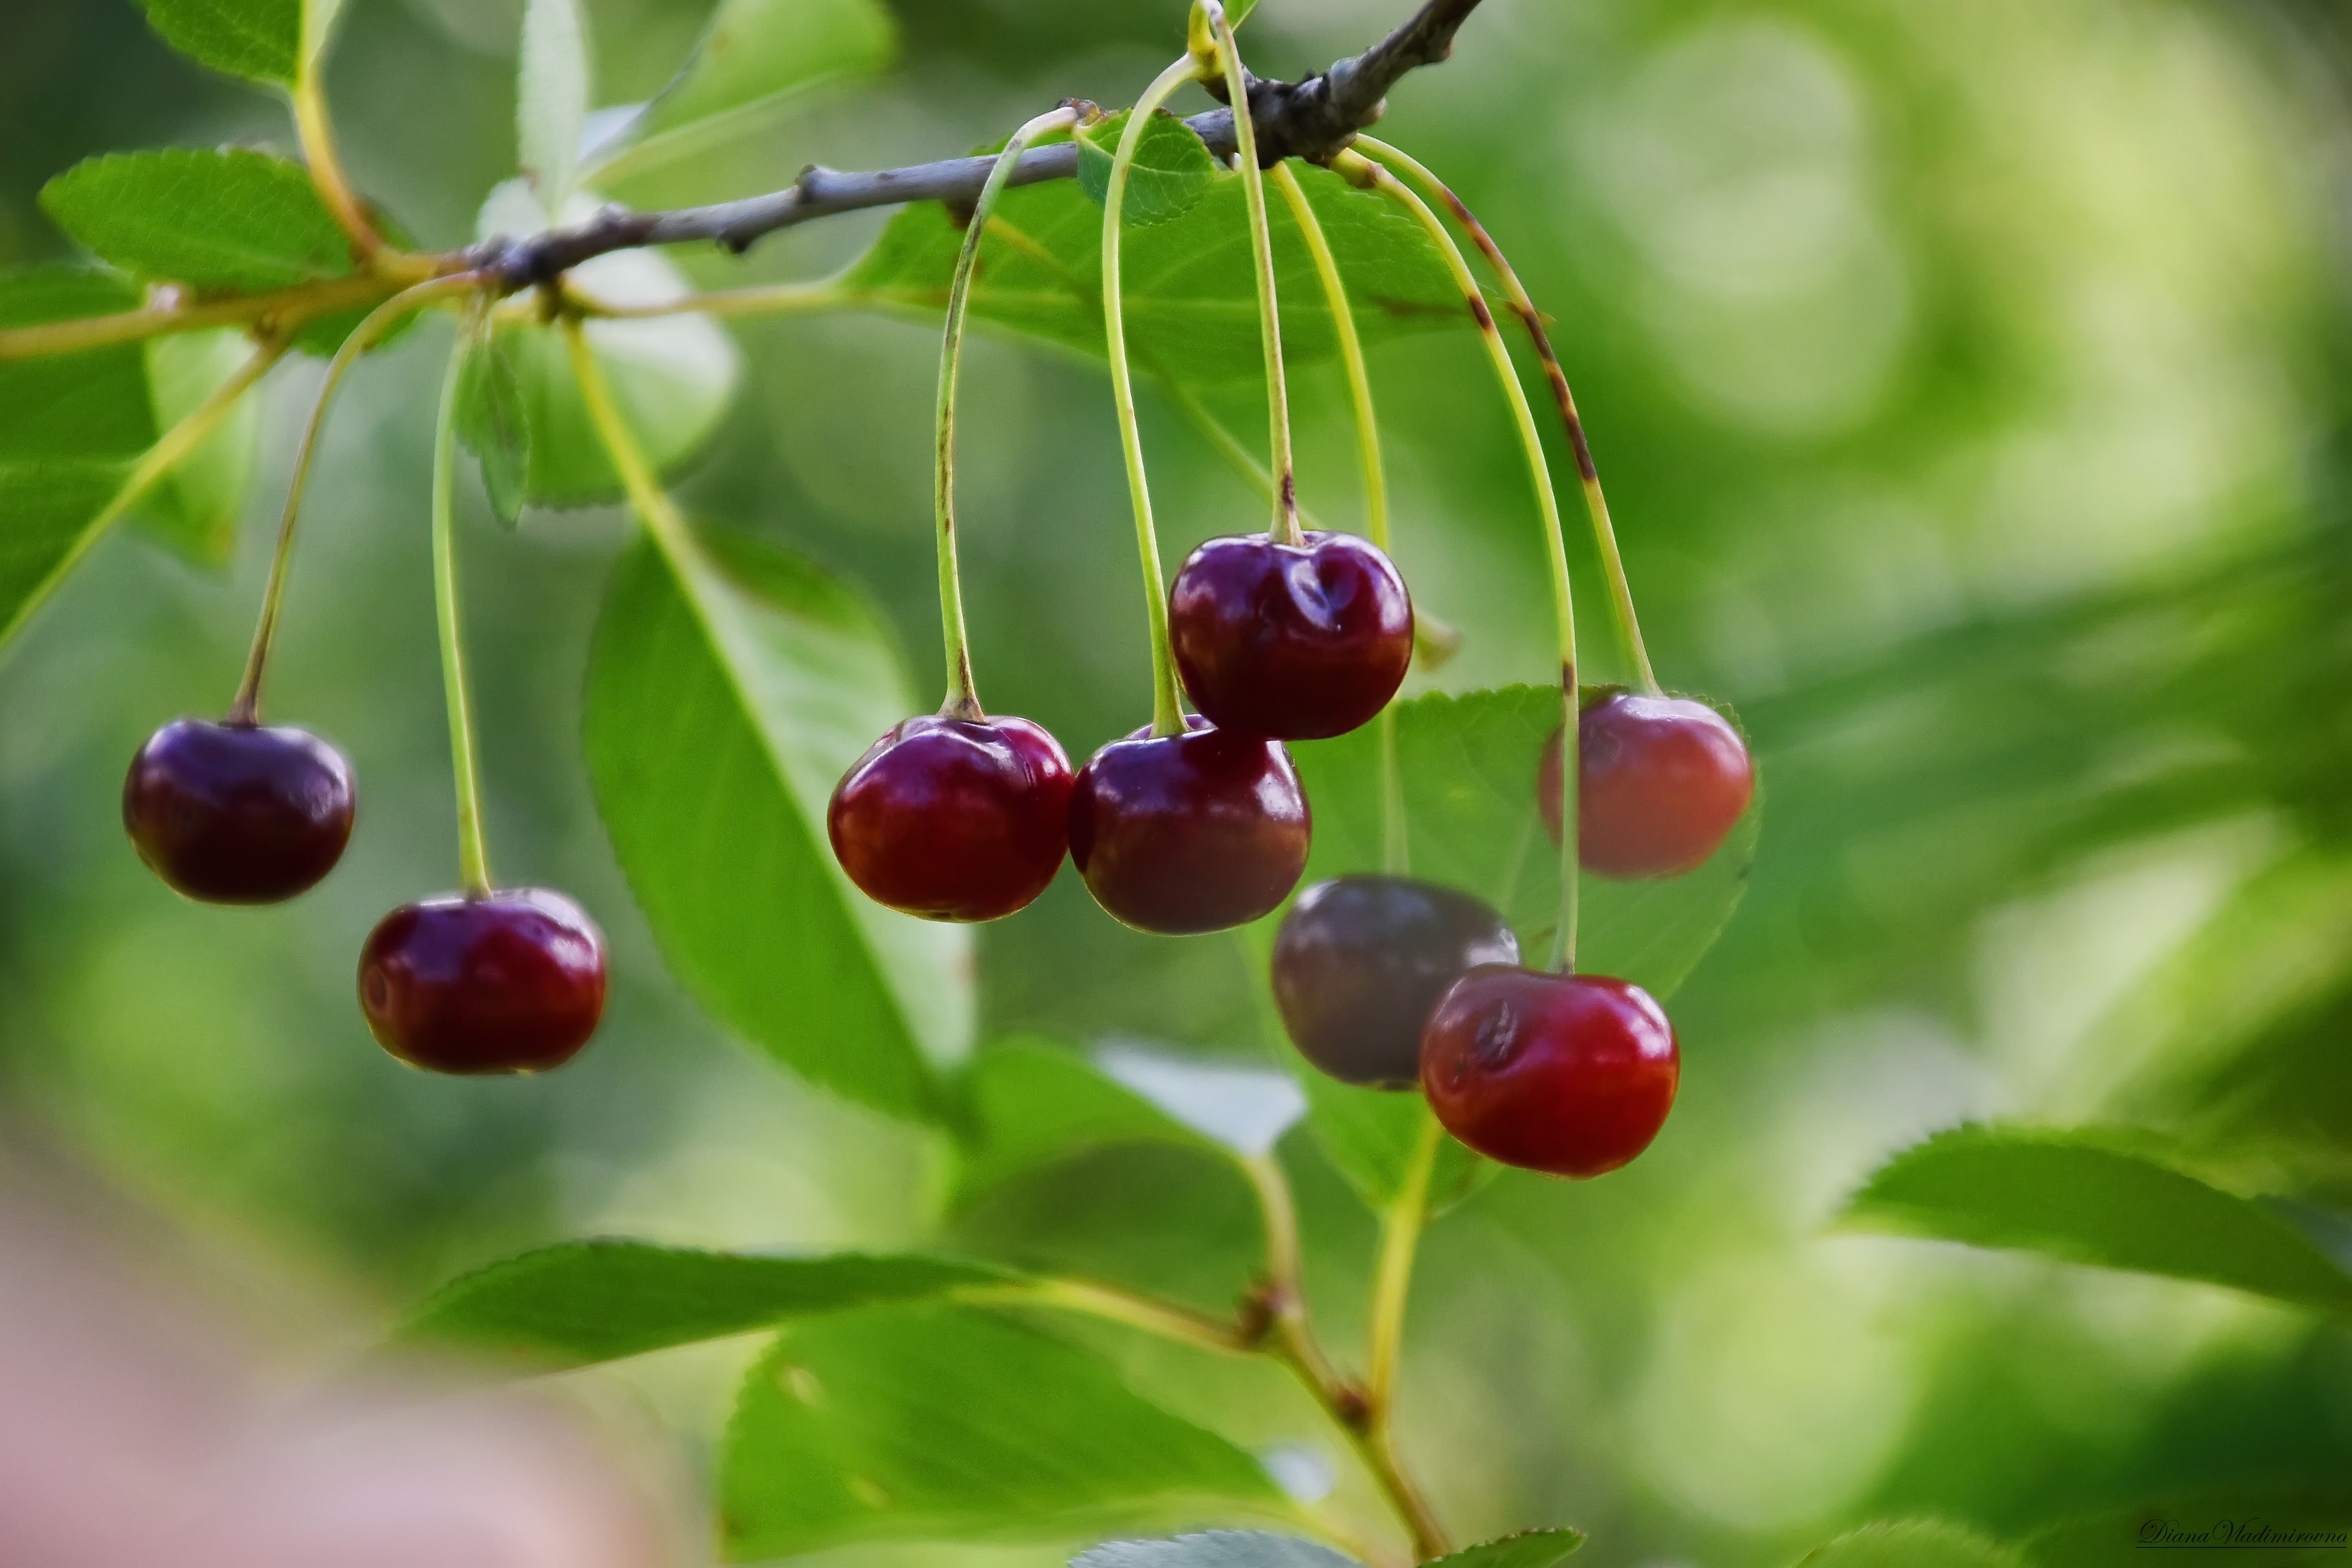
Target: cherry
(237,814)
(506,982)
(1296,641)
(954,819)
(1361,962)
(1660,783)
(1196,832)
(1572,1074)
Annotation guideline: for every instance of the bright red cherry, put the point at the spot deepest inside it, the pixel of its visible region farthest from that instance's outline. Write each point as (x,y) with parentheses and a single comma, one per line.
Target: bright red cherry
(954,819)
(506,982)
(1197,832)
(1572,1074)
(1296,641)
(1361,962)
(238,814)
(1660,783)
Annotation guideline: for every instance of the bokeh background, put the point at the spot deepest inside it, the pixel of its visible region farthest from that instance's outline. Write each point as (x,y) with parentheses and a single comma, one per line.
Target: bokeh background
(1969,383)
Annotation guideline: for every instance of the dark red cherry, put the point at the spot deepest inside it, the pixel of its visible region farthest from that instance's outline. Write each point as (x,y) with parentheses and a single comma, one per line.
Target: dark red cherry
(1361,962)
(1197,832)
(1293,641)
(954,819)
(237,814)
(1572,1074)
(1660,782)
(506,982)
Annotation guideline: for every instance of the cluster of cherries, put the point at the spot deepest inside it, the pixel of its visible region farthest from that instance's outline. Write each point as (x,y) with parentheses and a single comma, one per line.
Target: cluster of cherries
(242,813)
(1382,981)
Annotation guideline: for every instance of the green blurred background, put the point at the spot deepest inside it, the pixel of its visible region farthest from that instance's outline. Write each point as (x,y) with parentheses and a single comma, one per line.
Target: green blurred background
(1970,384)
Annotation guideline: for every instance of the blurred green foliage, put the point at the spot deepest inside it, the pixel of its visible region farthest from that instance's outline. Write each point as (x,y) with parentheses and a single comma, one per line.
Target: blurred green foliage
(1970,386)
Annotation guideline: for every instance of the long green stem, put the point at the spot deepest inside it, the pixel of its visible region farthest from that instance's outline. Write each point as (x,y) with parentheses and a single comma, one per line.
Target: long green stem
(1284,528)
(155,463)
(1167,702)
(663,521)
(473,854)
(1395,850)
(247,708)
(327,165)
(1370,175)
(1401,1228)
(963,699)
(1118,1305)
(1596,504)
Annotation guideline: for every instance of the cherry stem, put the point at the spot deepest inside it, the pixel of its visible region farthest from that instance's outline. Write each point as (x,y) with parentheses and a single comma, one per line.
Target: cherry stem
(1362,171)
(247,708)
(1167,702)
(963,699)
(1284,529)
(1395,851)
(1400,1227)
(473,855)
(662,522)
(1596,504)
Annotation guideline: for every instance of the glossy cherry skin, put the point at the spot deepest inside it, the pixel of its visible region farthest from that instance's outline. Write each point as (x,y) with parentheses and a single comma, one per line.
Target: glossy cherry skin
(954,819)
(1361,962)
(238,814)
(1188,833)
(511,981)
(1660,783)
(1571,1074)
(1297,642)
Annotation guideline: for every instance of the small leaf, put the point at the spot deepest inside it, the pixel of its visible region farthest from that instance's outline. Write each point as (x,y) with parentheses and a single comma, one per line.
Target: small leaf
(70,427)
(756,56)
(1190,283)
(673,376)
(1910,1544)
(1034,1103)
(260,40)
(551,97)
(1214,1548)
(1246,1110)
(495,424)
(1173,169)
(195,510)
(2096,1197)
(228,219)
(1527,1549)
(601,1300)
(725,699)
(932,1423)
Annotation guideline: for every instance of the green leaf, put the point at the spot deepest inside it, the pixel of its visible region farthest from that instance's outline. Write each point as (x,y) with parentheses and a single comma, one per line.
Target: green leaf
(2096,1197)
(195,510)
(725,699)
(755,57)
(260,40)
(70,427)
(1034,1103)
(930,1423)
(551,97)
(1173,168)
(1191,291)
(224,217)
(1468,765)
(601,1300)
(1214,1548)
(1527,1549)
(1910,1544)
(495,424)
(226,220)
(674,376)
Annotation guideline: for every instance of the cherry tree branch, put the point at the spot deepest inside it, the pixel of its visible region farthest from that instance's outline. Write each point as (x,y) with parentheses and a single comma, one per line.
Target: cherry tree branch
(1312,119)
